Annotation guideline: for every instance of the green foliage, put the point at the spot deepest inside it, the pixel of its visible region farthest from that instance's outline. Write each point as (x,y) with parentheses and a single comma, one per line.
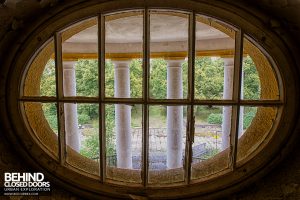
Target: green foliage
(90,110)
(87,78)
(109,78)
(209,79)
(83,119)
(251,80)
(136,78)
(51,115)
(52,120)
(48,81)
(158,79)
(215,118)
(90,146)
(109,130)
(248,117)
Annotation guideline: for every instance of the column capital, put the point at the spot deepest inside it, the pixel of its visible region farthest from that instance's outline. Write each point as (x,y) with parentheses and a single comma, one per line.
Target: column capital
(174,62)
(69,64)
(228,61)
(121,63)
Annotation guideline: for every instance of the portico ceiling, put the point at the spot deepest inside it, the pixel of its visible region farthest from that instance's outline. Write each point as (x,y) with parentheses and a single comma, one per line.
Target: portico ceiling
(168,34)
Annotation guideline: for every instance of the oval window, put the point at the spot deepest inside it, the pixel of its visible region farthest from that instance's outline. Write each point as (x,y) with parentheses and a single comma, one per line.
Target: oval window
(150,99)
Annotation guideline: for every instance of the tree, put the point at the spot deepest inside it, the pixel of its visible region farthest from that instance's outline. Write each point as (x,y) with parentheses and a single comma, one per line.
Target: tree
(48,81)
(251,80)
(90,146)
(136,78)
(48,88)
(209,78)
(158,79)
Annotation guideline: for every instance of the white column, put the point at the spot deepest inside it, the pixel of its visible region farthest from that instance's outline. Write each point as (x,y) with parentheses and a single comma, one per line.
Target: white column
(71,119)
(123,115)
(174,114)
(227,94)
(241,120)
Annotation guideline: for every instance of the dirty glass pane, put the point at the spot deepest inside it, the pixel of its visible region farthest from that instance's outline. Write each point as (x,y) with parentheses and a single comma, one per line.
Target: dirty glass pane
(124,54)
(256,67)
(168,54)
(123,124)
(42,119)
(258,122)
(211,141)
(167,137)
(80,59)
(214,59)
(40,78)
(82,136)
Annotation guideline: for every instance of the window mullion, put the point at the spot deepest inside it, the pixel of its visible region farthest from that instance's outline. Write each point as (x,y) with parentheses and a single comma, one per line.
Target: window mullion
(146,71)
(59,95)
(191,83)
(238,59)
(101,86)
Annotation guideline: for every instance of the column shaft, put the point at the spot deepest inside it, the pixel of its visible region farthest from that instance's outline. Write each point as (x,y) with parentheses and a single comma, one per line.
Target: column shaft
(71,119)
(227,94)
(241,124)
(123,115)
(174,115)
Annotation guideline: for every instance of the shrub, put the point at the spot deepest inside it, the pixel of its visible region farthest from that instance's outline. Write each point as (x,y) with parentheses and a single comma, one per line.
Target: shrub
(215,118)
(83,119)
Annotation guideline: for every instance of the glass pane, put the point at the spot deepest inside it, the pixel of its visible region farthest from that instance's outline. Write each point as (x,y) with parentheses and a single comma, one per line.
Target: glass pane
(40,78)
(258,122)
(167,136)
(48,80)
(214,60)
(123,58)
(82,136)
(42,118)
(123,124)
(259,79)
(247,114)
(211,140)
(80,59)
(168,52)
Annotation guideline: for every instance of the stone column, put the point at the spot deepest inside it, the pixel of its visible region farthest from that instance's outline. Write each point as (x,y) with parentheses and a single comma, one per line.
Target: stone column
(227,94)
(241,124)
(174,114)
(71,119)
(227,110)
(123,114)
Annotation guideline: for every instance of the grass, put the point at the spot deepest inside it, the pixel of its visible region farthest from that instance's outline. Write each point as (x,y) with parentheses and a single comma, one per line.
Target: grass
(158,115)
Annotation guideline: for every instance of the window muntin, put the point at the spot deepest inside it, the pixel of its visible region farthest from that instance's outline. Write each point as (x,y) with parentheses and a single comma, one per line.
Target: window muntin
(236,104)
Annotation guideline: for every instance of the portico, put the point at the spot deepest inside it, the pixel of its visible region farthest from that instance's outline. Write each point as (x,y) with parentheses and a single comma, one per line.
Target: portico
(174,51)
